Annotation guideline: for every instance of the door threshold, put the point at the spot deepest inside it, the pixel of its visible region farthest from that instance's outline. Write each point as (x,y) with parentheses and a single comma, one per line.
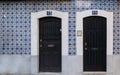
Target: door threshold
(94,72)
(50,73)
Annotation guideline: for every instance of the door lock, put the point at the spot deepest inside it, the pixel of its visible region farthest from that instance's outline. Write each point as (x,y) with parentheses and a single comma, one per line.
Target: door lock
(85,44)
(85,48)
(41,46)
(40,40)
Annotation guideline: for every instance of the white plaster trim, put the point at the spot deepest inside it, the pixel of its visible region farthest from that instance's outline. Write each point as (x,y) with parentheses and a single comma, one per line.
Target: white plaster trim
(79,26)
(35,30)
(95,72)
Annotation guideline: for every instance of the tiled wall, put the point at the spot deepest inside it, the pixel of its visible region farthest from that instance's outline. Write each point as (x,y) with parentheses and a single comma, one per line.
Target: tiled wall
(15,24)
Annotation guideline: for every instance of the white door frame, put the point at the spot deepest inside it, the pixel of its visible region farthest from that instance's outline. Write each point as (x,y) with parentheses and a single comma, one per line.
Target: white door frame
(79,29)
(35,29)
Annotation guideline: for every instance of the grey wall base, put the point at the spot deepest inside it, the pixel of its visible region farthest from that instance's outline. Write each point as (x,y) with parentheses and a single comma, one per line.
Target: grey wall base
(71,65)
(14,64)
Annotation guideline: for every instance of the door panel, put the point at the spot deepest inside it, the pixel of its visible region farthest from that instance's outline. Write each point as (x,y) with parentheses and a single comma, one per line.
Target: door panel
(94,43)
(49,44)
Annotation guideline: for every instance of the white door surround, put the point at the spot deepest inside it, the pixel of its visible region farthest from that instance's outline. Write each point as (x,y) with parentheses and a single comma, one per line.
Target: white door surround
(79,29)
(35,29)
(35,16)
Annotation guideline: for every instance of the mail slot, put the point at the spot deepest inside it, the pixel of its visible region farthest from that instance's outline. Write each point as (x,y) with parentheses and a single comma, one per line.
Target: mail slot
(94,48)
(51,45)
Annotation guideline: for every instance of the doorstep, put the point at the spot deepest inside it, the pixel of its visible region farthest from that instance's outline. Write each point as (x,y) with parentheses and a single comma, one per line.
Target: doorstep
(95,73)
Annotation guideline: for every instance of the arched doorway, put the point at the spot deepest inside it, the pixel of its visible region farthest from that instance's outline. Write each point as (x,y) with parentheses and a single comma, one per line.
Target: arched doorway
(94,39)
(94,43)
(49,40)
(50,44)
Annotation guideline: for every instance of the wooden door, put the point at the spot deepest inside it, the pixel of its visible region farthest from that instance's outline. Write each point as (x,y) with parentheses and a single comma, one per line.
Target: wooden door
(50,44)
(94,43)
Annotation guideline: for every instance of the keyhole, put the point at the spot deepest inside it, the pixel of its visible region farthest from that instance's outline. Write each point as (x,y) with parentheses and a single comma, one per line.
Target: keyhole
(85,44)
(60,30)
(85,48)
(40,40)
(40,45)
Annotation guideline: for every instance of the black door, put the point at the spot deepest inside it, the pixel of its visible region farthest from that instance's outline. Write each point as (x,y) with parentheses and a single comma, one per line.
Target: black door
(94,43)
(49,44)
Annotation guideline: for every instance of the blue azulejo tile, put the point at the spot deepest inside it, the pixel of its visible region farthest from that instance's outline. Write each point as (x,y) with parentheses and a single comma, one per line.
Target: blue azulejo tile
(18,18)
